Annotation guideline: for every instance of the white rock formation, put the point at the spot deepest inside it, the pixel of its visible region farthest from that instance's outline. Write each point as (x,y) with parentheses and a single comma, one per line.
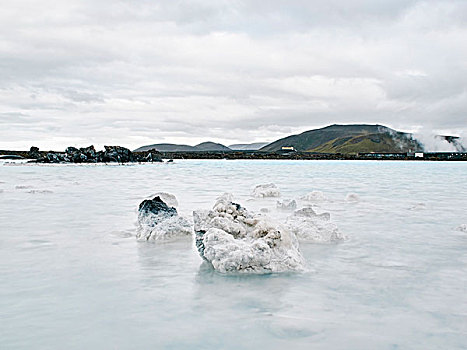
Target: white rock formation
(232,239)
(286,204)
(311,227)
(157,221)
(267,190)
(314,196)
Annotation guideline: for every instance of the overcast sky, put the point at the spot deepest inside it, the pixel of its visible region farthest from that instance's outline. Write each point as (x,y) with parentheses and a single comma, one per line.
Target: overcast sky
(137,72)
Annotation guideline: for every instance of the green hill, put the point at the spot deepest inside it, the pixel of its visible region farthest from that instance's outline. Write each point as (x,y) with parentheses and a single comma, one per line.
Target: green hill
(348,139)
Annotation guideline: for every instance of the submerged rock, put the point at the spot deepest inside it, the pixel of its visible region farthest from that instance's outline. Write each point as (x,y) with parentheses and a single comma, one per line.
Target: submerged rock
(157,221)
(286,204)
(314,196)
(311,227)
(232,239)
(352,198)
(267,190)
(418,206)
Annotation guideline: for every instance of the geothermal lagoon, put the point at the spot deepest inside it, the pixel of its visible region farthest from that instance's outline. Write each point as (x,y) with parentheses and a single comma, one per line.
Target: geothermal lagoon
(381,265)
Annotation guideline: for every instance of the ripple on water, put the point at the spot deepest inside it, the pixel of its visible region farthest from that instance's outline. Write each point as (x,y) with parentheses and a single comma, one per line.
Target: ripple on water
(23,187)
(40,191)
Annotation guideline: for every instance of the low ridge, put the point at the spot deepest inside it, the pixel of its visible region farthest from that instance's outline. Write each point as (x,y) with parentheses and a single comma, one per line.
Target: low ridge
(170,147)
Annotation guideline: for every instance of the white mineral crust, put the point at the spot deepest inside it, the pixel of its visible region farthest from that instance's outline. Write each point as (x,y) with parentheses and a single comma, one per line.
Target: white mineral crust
(314,196)
(163,225)
(286,204)
(232,239)
(311,227)
(267,190)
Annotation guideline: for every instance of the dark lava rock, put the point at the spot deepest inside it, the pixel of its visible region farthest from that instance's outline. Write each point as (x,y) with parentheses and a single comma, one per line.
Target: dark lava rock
(82,155)
(159,222)
(118,154)
(156,206)
(34,153)
(73,155)
(53,157)
(89,155)
(153,156)
(89,152)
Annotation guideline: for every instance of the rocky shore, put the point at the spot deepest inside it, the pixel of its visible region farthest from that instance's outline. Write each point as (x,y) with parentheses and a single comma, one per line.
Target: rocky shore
(124,155)
(310,156)
(88,155)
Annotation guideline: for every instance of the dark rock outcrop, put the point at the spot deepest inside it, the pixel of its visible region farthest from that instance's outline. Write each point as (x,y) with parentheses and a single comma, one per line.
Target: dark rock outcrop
(53,157)
(157,221)
(34,153)
(156,206)
(118,154)
(90,155)
(152,156)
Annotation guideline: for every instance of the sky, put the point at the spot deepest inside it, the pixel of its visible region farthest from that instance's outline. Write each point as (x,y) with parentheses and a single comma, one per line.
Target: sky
(138,72)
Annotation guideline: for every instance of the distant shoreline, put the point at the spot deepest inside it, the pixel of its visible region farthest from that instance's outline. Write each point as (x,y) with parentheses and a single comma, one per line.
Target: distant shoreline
(261,155)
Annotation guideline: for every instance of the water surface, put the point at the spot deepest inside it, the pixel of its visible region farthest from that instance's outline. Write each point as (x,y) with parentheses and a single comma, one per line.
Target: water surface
(73,276)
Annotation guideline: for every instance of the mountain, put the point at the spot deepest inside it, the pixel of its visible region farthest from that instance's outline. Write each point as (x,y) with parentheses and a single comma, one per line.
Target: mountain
(211,146)
(349,139)
(355,138)
(170,147)
(248,146)
(166,147)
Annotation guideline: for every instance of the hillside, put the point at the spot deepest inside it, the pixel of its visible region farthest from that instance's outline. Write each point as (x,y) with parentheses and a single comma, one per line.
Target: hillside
(166,147)
(344,139)
(248,146)
(384,142)
(211,146)
(348,139)
(170,147)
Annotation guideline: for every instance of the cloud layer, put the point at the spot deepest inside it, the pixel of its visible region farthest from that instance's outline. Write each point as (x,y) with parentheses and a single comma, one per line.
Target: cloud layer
(141,72)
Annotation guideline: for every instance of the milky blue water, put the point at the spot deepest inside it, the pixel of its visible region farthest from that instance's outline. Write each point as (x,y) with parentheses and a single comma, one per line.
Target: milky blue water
(73,276)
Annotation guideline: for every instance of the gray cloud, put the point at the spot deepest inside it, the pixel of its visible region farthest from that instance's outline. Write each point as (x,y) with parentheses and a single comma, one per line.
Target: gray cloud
(132,73)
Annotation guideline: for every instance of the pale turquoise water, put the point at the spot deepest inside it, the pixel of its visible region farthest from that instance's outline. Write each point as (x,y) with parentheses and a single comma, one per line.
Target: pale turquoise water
(73,276)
